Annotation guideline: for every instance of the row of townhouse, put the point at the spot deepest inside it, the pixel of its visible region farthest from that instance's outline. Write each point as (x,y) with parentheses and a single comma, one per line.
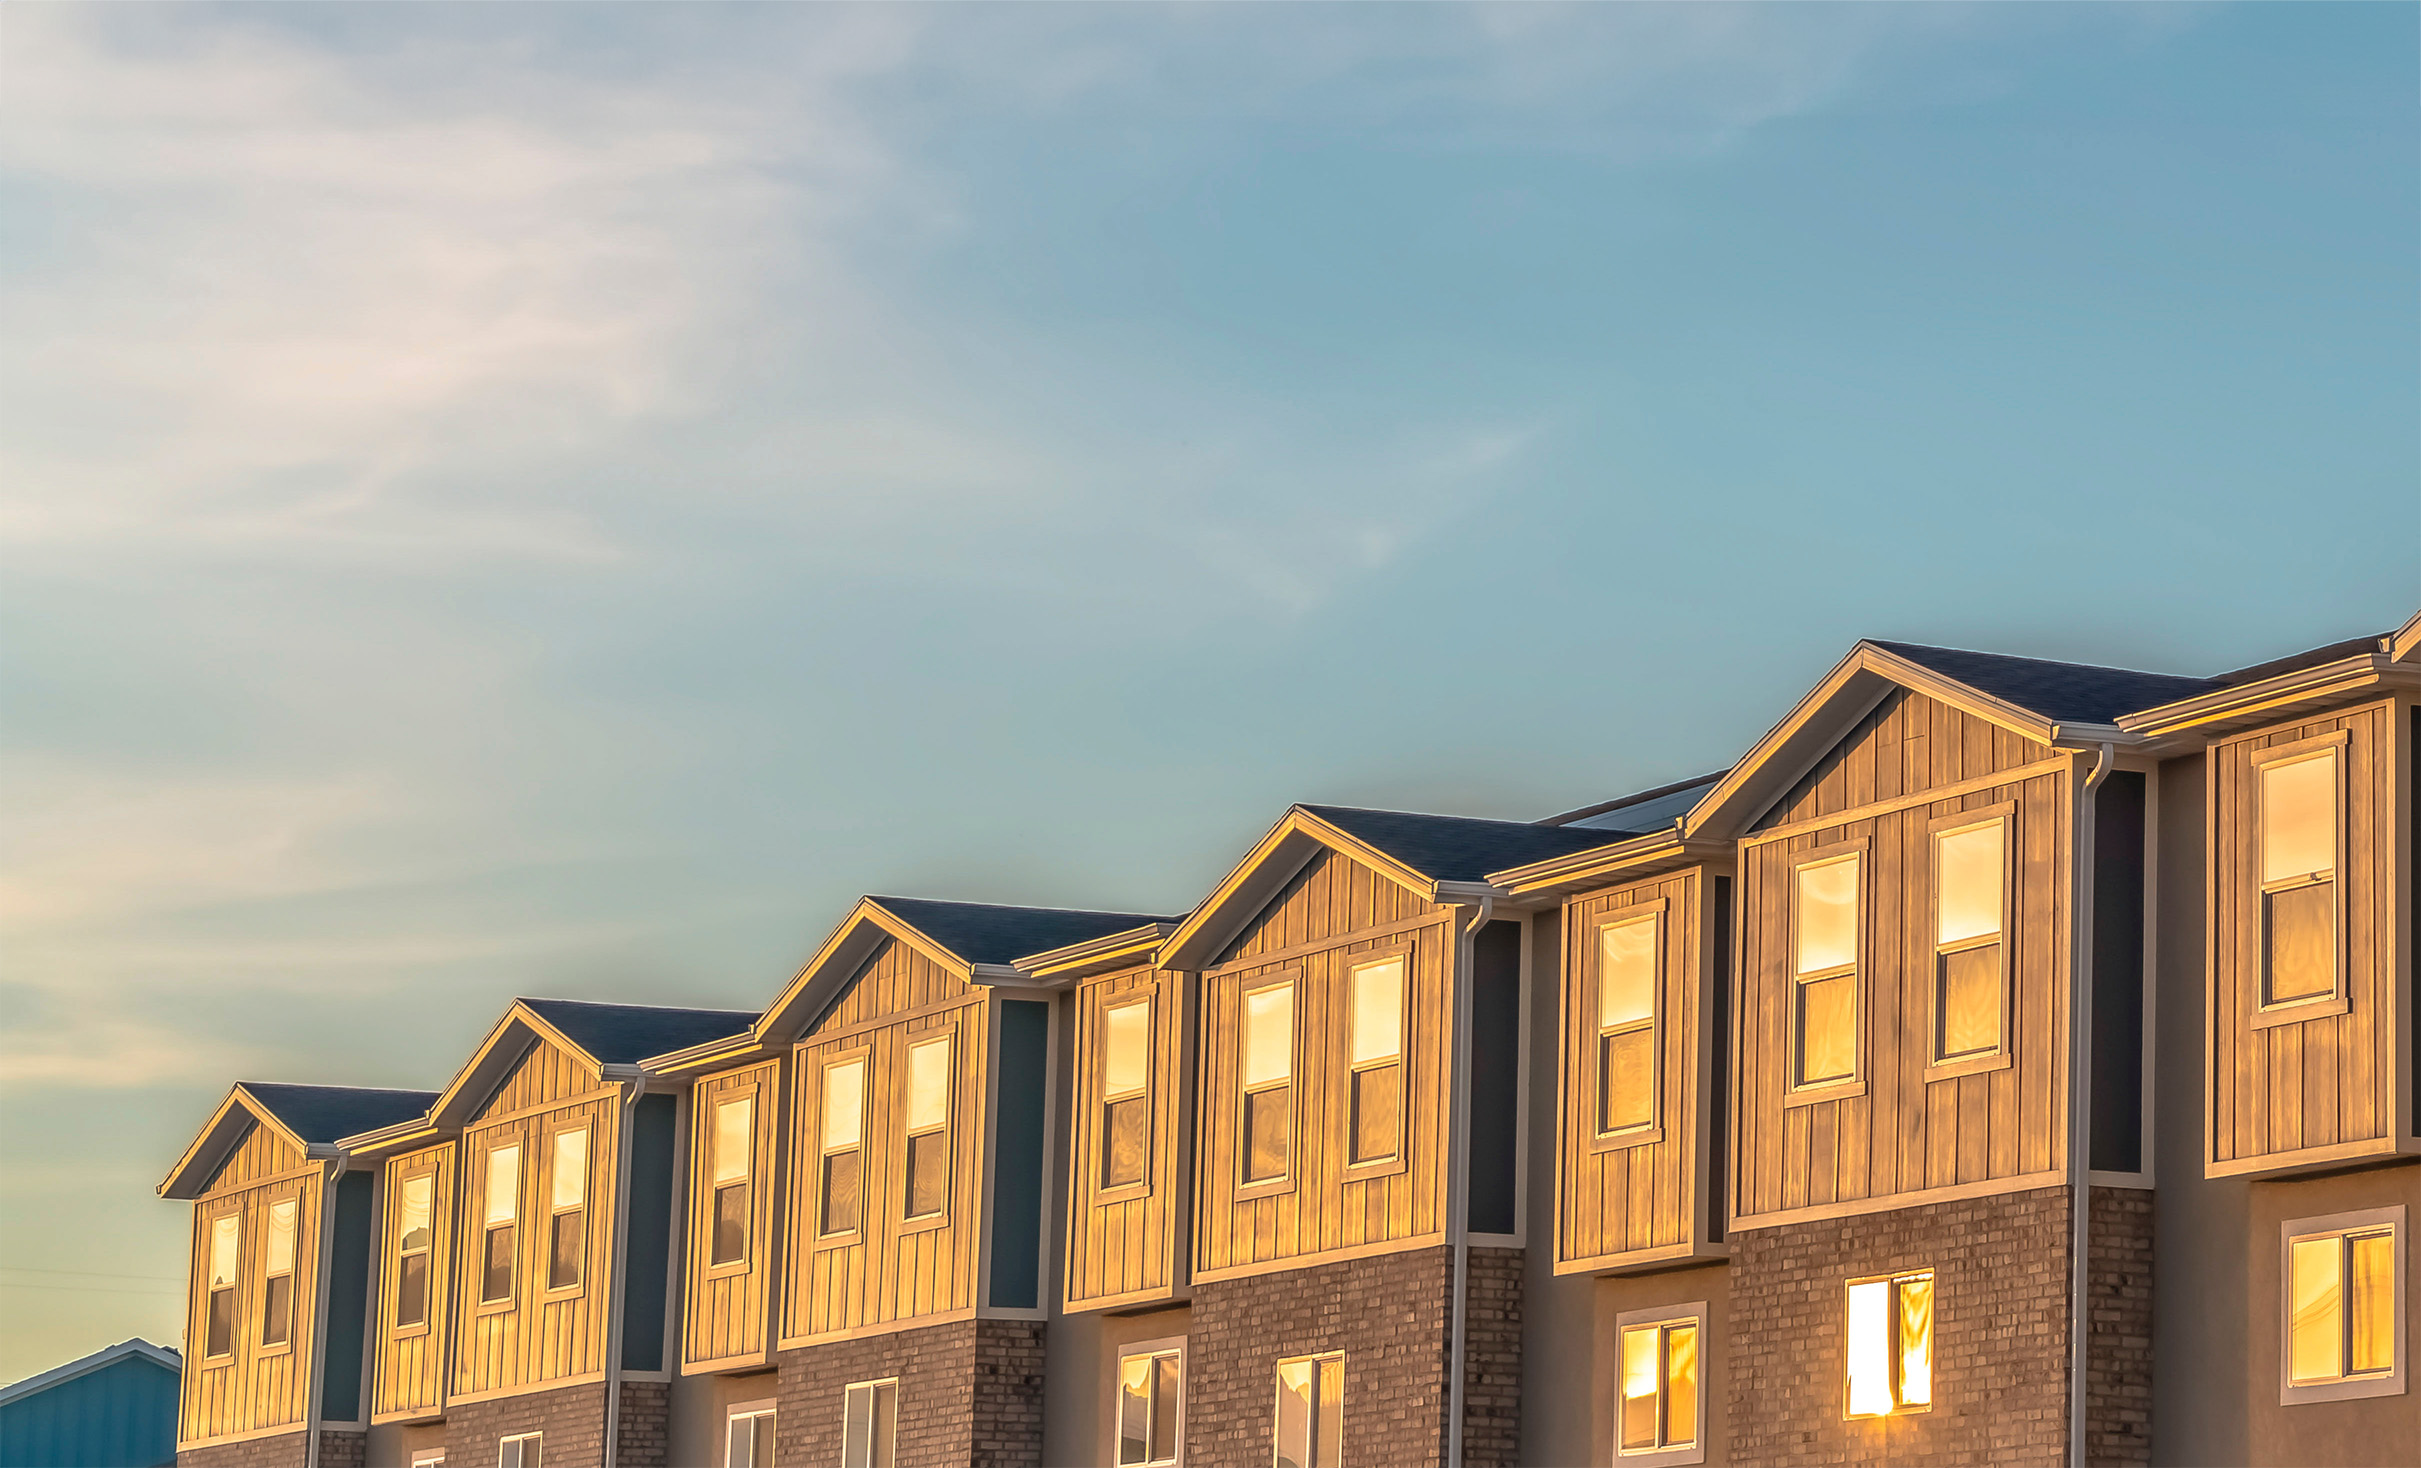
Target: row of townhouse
(2006,1061)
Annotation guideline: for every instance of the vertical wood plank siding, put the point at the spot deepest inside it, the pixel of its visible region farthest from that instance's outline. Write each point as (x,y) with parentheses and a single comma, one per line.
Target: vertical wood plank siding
(728,1319)
(1326,1211)
(2328,1081)
(252,1390)
(1126,1247)
(542,1336)
(408,1379)
(1905,1131)
(892,1270)
(1613,1201)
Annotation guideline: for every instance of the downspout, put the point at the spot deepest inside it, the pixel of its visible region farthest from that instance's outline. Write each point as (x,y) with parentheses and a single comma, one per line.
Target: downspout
(1458,1220)
(632,1089)
(2080,1059)
(316,1359)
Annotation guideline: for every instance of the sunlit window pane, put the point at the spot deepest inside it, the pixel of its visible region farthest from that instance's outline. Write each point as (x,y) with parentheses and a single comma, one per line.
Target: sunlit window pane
(840,1192)
(1870,1348)
(1626,974)
(1627,1080)
(2371,1302)
(735,1136)
(1167,1398)
(2316,1318)
(1828,1029)
(571,1169)
(419,1194)
(844,1104)
(928,1085)
(1970,1001)
(1269,1034)
(2299,817)
(2299,932)
(1639,1386)
(928,1174)
(1295,1379)
(1267,1122)
(730,1224)
(1681,1385)
(1828,916)
(1328,1442)
(280,1246)
(1124,1139)
(1126,1048)
(1916,1341)
(222,1250)
(1377,1093)
(1377,1030)
(504,1185)
(1967,883)
(1135,1410)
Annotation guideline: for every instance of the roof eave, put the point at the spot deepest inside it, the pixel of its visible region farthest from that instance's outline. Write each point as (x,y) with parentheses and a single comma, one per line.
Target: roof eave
(184,1180)
(1134,948)
(1540,883)
(2176,727)
(692,1061)
(833,964)
(1274,860)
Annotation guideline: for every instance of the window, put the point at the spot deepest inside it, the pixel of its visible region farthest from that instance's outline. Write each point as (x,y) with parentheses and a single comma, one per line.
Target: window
(518,1451)
(748,1441)
(1375,1041)
(1126,1113)
(567,1210)
(734,1153)
(1311,1412)
(1269,1075)
(870,1424)
(219,1332)
(2344,1307)
(1891,1344)
(928,1127)
(1626,1023)
(1824,951)
(503,1211)
(416,1203)
(844,1146)
(429,1458)
(1660,1385)
(1151,1401)
(1970,895)
(277,1276)
(2299,878)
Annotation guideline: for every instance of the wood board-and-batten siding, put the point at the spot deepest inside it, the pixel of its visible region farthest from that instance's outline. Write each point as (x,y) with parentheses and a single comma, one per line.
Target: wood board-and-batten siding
(408,1380)
(1333,914)
(892,1271)
(728,1311)
(2294,1092)
(254,1390)
(1905,1129)
(539,1336)
(1126,1244)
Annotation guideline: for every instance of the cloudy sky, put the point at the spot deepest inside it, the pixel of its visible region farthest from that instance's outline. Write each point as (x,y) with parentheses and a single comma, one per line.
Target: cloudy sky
(545,500)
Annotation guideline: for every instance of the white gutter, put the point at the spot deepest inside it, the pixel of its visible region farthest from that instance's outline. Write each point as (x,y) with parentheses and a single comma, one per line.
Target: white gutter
(2080,1081)
(1458,1220)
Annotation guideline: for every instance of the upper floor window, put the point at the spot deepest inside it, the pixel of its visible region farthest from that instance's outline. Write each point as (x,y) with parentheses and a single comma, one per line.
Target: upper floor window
(567,1212)
(1311,1412)
(1269,1075)
(1151,1391)
(734,1151)
(218,1335)
(870,1424)
(843,1148)
(2299,820)
(1375,1044)
(1126,1120)
(928,1127)
(416,1203)
(277,1275)
(2345,1306)
(1627,952)
(502,1215)
(1970,898)
(1660,1385)
(748,1436)
(1824,962)
(1891,1344)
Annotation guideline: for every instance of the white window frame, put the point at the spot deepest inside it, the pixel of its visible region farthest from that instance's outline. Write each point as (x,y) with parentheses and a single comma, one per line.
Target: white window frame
(1940,1066)
(1141,1094)
(1394,1159)
(557,1210)
(490,1222)
(1798,1092)
(1659,1316)
(1248,1186)
(1277,1384)
(2344,1388)
(233,1288)
(718,1182)
(863,1059)
(945,1040)
(269,1271)
(428,1458)
(404,1252)
(759,1414)
(1150,1350)
(2334,748)
(523,1457)
(872,1388)
(1651,915)
(1933,1354)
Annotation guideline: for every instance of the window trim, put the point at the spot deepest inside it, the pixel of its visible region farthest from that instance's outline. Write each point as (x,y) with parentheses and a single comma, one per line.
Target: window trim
(428,1251)
(1659,910)
(2345,1388)
(1811,1093)
(588,1168)
(1402,952)
(1148,999)
(814,1077)
(269,1205)
(1277,1386)
(869,1385)
(1173,1345)
(1285,1182)
(2261,1013)
(1694,1451)
(512,1139)
(765,1407)
(1937,1067)
(1933,1275)
(749,1092)
(906,1222)
(233,1210)
(538,1437)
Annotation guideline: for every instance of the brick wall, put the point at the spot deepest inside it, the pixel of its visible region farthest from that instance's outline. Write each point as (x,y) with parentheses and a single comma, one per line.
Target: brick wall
(1387,1314)
(1492,1359)
(643,1437)
(2000,1334)
(282,1450)
(970,1394)
(572,1417)
(2118,1329)
(342,1448)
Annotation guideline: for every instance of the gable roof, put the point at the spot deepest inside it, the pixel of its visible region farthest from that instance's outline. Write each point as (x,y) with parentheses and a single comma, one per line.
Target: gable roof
(134,1348)
(980,942)
(312,1119)
(609,1040)
(1453,848)
(2073,693)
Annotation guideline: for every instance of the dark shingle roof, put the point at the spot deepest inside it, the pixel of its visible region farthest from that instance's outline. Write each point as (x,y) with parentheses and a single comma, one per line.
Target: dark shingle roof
(2076,692)
(622,1034)
(980,932)
(1642,811)
(1456,848)
(325,1113)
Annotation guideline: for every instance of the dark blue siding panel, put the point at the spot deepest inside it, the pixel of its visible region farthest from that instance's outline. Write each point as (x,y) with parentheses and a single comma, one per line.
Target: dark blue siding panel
(1496,1038)
(348,1299)
(121,1416)
(1025,1059)
(650,1245)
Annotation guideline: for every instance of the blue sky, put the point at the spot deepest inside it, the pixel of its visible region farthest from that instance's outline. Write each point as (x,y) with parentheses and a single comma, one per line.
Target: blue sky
(557,500)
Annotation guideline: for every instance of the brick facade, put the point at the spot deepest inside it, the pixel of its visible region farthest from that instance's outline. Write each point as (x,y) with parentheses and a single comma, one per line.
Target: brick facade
(2118,1329)
(571,1417)
(279,1450)
(343,1448)
(970,1394)
(2000,1334)
(643,1438)
(1492,1359)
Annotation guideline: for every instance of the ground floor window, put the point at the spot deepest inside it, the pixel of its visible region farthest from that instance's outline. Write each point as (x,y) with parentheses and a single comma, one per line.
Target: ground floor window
(2343,1312)
(1151,1404)
(1311,1412)
(519,1451)
(1891,1344)
(1660,1358)
(748,1440)
(870,1424)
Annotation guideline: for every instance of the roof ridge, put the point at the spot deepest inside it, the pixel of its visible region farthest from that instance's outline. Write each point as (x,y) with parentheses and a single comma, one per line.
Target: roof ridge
(629,1004)
(1015,906)
(1426,815)
(2024,657)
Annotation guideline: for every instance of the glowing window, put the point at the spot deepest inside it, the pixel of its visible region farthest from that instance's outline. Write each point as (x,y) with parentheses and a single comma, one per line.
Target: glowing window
(219,1332)
(567,1212)
(1269,1068)
(1627,968)
(2299,819)
(1375,1053)
(928,1127)
(277,1276)
(1126,1044)
(735,1140)
(2344,1306)
(1660,1353)
(1151,1391)
(844,1146)
(502,1216)
(1825,963)
(1311,1412)
(1969,895)
(416,1206)
(1891,1344)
